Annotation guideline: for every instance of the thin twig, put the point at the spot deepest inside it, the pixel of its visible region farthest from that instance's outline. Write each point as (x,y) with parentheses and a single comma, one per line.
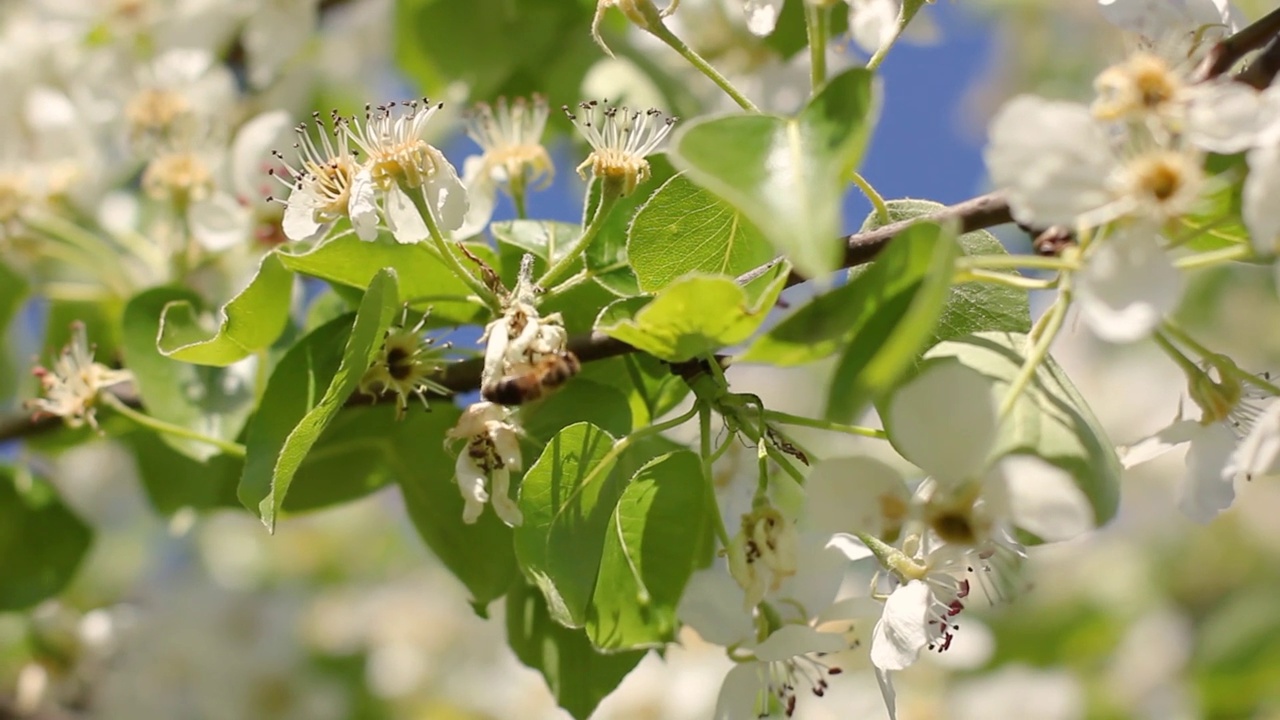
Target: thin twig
(1227,52)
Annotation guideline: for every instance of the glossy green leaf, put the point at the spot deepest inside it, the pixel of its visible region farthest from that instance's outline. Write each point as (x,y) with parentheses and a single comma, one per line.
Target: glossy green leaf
(1216,222)
(971,307)
(349,459)
(651,548)
(578,675)
(213,401)
(696,314)
(581,400)
(307,388)
(174,481)
(567,497)
(249,322)
(648,384)
(42,541)
(1050,419)
(424,279)
(787,175)
(546,239)
(608,258)
(902,296)
(13,290)
(480,555)
(684,228)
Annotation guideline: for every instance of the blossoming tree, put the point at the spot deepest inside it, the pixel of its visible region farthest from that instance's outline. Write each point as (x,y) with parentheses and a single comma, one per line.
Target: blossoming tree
(286,318)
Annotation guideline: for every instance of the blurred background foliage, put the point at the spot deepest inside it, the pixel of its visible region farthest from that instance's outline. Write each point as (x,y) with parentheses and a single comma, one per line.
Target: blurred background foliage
(343,614)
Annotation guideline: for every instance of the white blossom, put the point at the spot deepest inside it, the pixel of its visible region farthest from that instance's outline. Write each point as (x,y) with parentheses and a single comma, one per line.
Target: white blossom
(621,139)
(71,387)
(512,156)
(485,463)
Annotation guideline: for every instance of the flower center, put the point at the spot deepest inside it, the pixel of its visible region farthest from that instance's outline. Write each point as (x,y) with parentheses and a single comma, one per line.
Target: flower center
(180,177)
(1144,83)
(154,111)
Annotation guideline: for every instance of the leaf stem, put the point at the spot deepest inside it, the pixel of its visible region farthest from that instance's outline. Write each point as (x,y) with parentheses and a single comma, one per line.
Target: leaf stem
(1002,278)
(663,33)
(1016,262)
(1210,258)
(905,15)
(817,21)
(1228,368)
(877,200)
(609,193)
(1040,338)
(160,426)
(447,256)
(820,424)
(708,457)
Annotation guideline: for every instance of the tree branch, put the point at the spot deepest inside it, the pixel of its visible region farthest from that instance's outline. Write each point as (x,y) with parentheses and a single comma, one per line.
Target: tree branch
(1227,52)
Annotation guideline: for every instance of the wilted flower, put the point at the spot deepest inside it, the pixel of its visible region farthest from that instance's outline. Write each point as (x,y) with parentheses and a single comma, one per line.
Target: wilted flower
(404,365)
(763,553)
(620,139)
(71,388)
(399,165)
(492,451)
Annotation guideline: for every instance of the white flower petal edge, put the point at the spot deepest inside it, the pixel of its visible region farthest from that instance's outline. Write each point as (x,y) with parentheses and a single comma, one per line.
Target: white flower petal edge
(1165,439)
(1128,286)
(1261,188)
(944,421)
(855,494)
(1259,453)
(902,631)
(1208,487)
(873,23)
(1053,159)
(1044,500)
(762,15)
(739,692)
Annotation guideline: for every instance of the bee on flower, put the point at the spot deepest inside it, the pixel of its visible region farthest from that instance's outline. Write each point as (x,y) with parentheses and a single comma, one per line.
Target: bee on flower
(72,385)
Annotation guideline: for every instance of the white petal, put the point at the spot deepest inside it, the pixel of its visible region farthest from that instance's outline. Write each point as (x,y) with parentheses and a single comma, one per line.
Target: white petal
(712,605)
(508,446)
(1209,485)
(903,630)
(1166,439)
(299,221)
(854,495)
(1259,452)
(739,692)
(873,23)
(219,222)
(1044,500)
(471,485)
(447,196)
(1224,117)
(819,572)
(482,196)
(403,219)
(1052,157)
(944,421)
(789,641)
(885,681)
(274,34)
(1127,287)
(762,15)
(362,206)
(503,505)
(1261,188)
(252,146)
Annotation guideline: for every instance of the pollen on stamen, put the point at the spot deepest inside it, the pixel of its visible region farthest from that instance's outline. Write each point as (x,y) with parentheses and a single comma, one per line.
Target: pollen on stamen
(620,139)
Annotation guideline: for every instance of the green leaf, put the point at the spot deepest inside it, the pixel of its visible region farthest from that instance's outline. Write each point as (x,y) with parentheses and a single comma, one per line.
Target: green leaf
(577,674)
(650,387)
(581,400)
(607,257)
(249,322)
(897,306)
(307,388)
(13,291)
(1216,222)
(213,401)
(694,315)
(650,550)
(974,306)
(41,541)
(546,239)
(496,47)
(684,228)
(173,480)
(349,459)
(424,279)
(480,555)
(1050,420)
(787,174)
(566,497)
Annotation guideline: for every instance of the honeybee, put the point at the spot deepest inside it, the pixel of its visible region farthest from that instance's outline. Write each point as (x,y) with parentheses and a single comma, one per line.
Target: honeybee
(550,373)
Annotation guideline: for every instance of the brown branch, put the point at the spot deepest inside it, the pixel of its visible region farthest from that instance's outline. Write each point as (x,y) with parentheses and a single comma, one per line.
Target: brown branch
(1261,71)
(1227,52)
